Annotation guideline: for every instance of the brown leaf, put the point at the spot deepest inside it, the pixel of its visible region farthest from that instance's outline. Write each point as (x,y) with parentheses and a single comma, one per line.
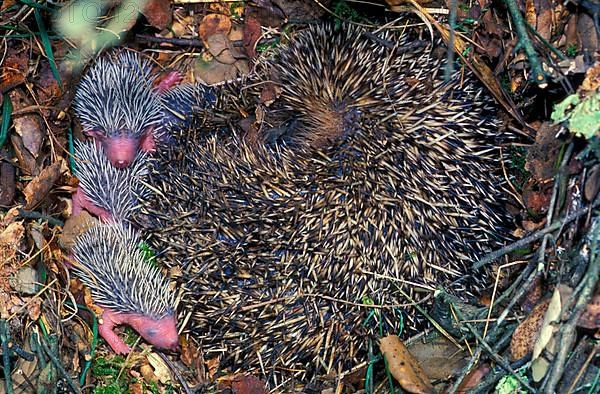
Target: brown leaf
(39,187)
(212,71)
(7,184)
(592,184)
(251,36)
(74,226)
(404,367)
(248,384)
(473,379)
(526,333)
(158,13)
(219,46)
(213,24)
(590,317)
(439,357)
(29,128)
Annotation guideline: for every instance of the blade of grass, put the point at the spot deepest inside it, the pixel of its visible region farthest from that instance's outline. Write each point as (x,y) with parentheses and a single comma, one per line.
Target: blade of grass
(47,47)
(6,114)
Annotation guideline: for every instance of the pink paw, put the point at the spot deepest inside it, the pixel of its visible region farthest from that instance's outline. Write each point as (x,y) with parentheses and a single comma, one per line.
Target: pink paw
(168,80)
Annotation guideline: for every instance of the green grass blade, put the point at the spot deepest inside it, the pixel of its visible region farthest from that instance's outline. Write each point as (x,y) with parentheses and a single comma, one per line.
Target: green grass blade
(47,47)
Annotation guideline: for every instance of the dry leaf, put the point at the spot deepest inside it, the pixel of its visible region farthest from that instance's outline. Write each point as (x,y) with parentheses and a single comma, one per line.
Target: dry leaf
(158,13)
(74,226)
(592,184)
(245,384)
(590,318)
(252,34)
(546,340)
(161,370)
(439,358)
(36,191)
(11,236)
(213,24)
(404,367)
(473,379)
(527,332)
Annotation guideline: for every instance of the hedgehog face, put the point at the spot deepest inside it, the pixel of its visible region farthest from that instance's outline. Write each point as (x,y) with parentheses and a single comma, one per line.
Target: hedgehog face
(161,333)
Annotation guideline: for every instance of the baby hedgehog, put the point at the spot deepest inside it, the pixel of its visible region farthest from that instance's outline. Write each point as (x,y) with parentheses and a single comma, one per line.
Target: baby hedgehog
(106,191)
(130,289)
(118,106)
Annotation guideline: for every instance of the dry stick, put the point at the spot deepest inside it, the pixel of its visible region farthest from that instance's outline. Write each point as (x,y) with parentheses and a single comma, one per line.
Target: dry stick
(182,381)
(498,359)
(466,370)
(525,43)
(537,235)
(567,334)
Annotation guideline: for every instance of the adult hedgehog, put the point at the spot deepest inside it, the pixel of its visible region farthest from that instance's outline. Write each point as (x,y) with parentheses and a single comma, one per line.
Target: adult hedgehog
(369,180)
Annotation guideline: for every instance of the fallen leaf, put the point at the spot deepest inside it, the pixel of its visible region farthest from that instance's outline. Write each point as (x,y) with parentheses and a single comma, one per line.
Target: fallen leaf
(590,318)
(158,13)
(403,366)
(74,226)
(7,184)
(439,358)
(247,384)
(592,184)
(527,332)
(39,187)
(473,378)
(212,71)
(252,34)
(213,24)
(161,370)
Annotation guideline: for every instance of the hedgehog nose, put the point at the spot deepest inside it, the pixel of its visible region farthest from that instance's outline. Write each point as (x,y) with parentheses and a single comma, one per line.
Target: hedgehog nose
(121,163)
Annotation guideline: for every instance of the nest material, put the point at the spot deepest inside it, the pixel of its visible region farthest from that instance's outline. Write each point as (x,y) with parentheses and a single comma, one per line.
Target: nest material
(370,179)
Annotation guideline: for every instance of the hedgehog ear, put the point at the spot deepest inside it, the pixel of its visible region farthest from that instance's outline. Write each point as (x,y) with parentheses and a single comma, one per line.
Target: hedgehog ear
(95,133)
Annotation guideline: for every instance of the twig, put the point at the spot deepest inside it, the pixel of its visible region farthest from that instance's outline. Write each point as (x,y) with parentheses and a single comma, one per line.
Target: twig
(36,215)
(567,335)
(535,236)
(182,381)
(525,43)
(183,42)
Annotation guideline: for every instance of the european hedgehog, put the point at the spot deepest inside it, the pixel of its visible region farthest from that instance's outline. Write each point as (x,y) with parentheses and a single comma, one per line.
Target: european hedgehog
(366,182)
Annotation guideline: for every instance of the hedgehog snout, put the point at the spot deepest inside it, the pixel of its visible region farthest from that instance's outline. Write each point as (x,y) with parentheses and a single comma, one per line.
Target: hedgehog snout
(161,333)
(121,150)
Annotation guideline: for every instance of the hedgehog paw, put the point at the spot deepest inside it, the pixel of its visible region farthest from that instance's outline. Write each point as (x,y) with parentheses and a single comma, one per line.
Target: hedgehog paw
(105,329)
(167,81)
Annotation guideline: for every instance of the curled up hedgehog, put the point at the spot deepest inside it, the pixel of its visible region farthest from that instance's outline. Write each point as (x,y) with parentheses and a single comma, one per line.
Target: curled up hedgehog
(366,182)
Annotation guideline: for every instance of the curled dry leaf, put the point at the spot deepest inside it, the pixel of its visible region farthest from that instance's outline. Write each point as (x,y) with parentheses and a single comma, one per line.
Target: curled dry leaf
(247,384)
(160,369)
(39,187)
(404,367)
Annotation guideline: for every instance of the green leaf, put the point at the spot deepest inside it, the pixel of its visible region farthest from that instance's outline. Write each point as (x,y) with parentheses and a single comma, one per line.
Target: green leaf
(582,116)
